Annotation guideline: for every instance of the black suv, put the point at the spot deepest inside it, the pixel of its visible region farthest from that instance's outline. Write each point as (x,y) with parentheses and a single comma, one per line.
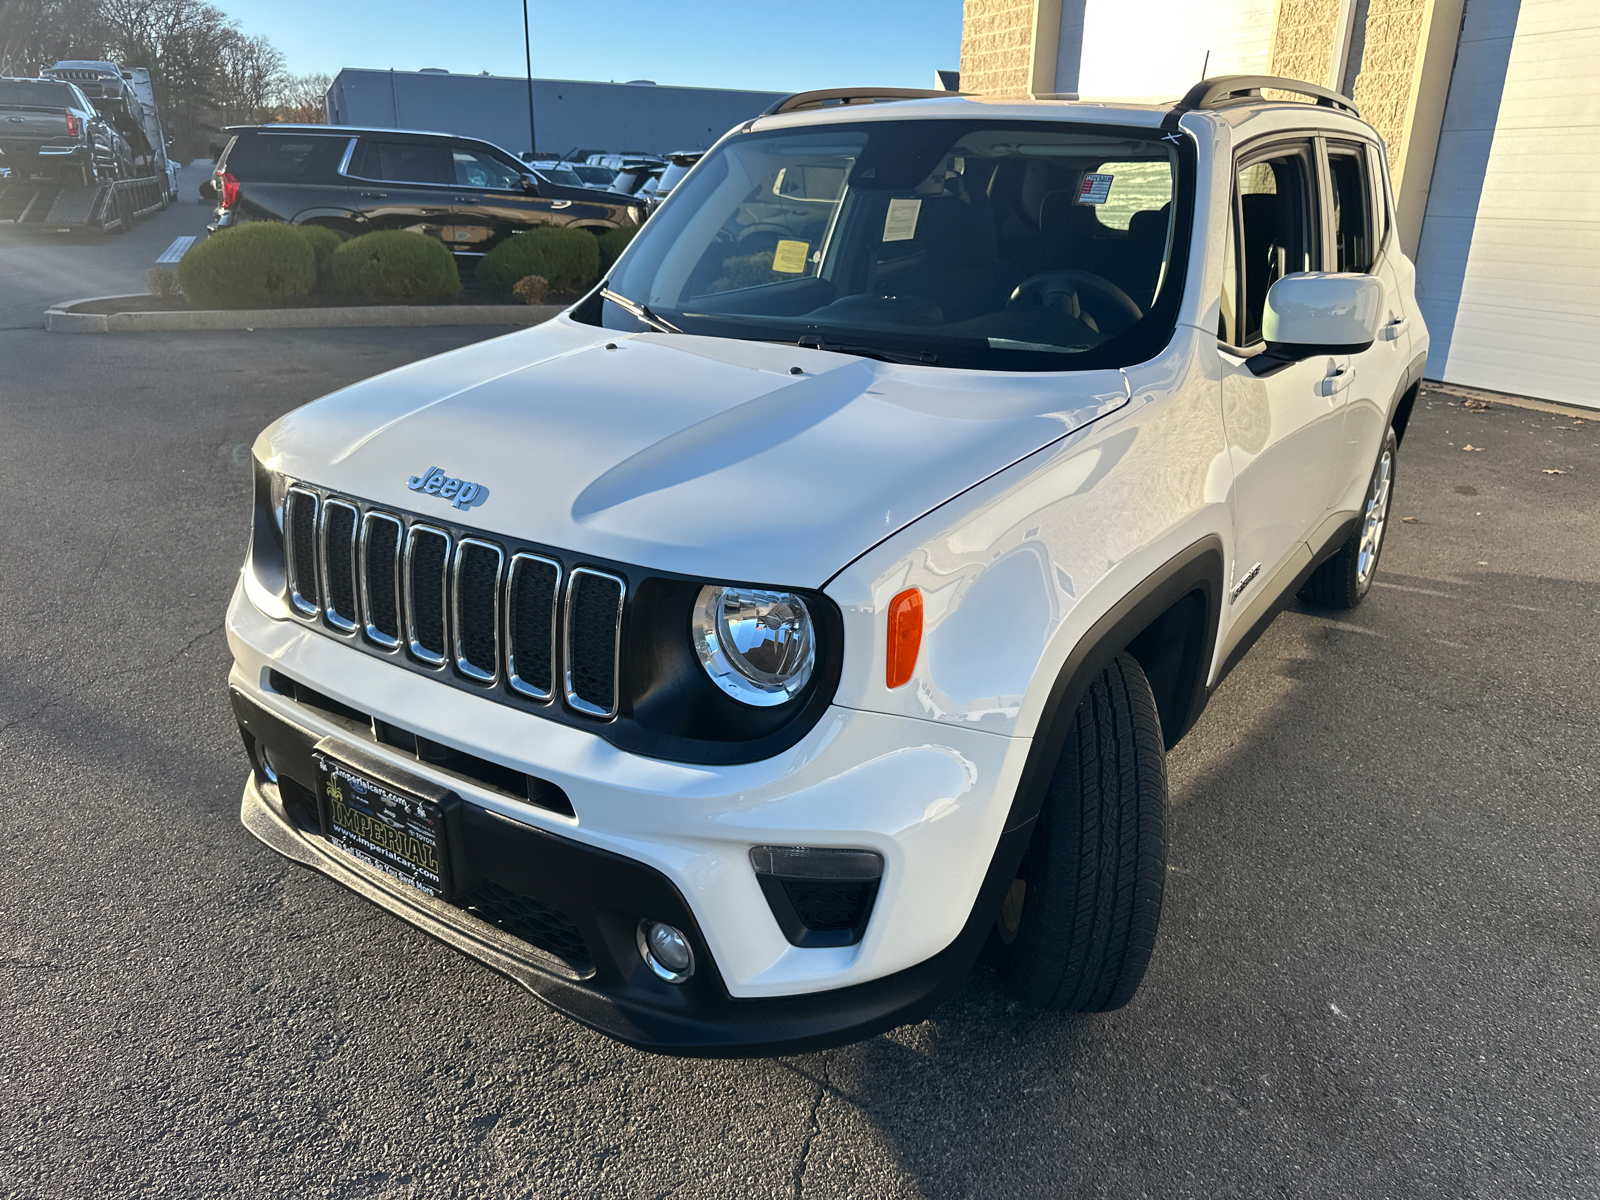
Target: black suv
(468,194)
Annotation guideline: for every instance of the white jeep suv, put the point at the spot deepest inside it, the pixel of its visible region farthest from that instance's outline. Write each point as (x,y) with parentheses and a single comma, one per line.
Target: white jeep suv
(733,658)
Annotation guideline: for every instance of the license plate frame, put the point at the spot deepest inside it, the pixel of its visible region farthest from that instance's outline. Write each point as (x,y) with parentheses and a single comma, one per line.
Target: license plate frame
(385,824)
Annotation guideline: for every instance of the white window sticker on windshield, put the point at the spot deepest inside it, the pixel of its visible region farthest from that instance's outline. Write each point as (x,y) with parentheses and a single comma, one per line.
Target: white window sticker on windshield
(790,257)
(901,223)
(1096,189)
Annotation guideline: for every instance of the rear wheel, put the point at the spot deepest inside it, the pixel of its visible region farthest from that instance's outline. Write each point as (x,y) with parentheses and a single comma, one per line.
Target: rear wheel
(1346,578)
(1077,929)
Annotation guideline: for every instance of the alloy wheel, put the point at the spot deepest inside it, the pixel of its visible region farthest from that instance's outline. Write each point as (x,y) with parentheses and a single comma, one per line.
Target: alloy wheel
(1377,517)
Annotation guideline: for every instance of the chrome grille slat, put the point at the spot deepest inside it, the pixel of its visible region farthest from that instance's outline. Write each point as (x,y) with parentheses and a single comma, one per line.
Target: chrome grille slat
(337,549)
(427,561)
(451,599)
(477,609)
(300,550)
(533,600)
(382,537)
(594,641)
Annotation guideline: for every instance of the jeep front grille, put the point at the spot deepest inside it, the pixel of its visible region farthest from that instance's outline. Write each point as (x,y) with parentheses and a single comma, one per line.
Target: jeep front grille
(339,521)
(453,601)
(300,550)
(594,624)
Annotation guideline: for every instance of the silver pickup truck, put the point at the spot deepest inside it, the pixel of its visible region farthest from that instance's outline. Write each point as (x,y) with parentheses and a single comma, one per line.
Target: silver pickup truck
(49,126)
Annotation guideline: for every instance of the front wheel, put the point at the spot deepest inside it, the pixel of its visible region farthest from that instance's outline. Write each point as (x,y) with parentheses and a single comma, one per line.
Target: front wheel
(1078,927)
(1346,578)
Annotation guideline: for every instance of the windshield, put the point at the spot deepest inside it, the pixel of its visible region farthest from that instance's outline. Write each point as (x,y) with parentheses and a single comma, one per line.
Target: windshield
(1015,246)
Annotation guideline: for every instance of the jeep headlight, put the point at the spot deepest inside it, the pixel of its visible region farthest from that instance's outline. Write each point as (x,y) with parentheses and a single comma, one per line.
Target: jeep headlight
(758,646)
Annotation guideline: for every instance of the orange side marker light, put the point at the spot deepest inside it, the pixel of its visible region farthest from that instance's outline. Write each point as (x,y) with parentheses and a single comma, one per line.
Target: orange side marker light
(905,636)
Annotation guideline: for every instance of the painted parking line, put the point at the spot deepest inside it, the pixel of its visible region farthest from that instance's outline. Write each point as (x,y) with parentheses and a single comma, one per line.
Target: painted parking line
(175,251)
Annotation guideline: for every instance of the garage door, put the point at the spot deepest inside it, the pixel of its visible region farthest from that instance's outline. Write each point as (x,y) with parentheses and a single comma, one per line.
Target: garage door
(1508,266)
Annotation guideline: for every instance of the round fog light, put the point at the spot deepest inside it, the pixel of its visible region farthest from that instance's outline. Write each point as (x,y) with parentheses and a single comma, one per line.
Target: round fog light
(268,768)
(665,951)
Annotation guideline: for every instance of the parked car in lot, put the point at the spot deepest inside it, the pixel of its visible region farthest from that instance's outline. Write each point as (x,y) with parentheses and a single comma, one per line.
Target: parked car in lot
(468,194)
(733,658)
(593,176)
(50,127)
(659,187)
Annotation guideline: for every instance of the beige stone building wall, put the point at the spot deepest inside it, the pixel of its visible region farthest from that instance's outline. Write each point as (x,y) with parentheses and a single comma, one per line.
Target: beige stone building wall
(997,46)
(1303,39)
(1383,88)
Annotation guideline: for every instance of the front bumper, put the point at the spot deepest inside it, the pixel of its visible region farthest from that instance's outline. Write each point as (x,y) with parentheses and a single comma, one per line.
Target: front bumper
(668,841)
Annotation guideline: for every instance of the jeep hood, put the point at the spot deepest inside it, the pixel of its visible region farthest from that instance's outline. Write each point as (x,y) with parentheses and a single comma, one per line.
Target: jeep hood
(703,456)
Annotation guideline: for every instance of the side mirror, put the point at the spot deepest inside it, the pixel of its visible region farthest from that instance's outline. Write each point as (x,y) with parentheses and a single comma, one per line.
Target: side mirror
(208,189)
(1318,312)
(529,186)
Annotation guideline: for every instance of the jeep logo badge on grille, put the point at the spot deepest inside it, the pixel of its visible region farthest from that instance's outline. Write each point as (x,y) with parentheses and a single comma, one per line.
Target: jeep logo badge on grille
(460,492)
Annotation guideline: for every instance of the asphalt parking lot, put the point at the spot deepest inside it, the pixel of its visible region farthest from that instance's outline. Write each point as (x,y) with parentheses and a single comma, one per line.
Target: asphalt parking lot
(40,267)
(1376,976)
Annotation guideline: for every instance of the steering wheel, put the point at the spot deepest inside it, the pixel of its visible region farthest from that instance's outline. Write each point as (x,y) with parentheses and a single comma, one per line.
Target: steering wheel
(1060,288)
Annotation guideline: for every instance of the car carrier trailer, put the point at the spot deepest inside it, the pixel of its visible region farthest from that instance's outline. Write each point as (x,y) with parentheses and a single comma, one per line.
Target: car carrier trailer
(127,99)
(111,206)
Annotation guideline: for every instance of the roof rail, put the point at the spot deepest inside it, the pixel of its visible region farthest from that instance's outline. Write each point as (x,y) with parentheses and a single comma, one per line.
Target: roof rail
(840,97)
(1226,90)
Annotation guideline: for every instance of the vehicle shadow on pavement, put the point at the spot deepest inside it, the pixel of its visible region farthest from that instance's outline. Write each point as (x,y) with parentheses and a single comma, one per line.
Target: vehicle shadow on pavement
(1379,928)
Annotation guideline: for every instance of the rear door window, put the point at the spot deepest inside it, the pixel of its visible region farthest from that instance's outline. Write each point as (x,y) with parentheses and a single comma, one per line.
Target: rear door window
(1350,197)
(285,158)
(404,162)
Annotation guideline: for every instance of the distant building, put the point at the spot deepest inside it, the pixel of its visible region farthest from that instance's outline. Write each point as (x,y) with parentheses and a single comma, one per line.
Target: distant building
(636,116)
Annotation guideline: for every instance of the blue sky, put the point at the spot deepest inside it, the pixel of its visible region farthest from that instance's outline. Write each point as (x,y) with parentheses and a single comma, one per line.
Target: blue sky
(710,43)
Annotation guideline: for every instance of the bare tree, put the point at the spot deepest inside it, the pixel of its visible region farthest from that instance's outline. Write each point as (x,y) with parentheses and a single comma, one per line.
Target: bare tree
(36,33)
(301,99)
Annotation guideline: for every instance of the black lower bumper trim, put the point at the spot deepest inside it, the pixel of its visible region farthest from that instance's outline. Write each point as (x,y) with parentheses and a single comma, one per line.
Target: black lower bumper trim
(605,895)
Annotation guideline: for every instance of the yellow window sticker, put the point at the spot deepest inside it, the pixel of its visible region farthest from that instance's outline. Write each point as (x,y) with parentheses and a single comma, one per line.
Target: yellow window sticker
(791,257)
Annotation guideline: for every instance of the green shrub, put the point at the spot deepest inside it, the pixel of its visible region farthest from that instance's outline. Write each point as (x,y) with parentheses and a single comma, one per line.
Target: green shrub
(258,265)
(568,258)
(613,242)
(323,242)
(395,267)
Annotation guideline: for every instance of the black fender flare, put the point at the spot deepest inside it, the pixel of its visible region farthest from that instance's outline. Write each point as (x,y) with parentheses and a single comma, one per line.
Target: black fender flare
(1200,567)
(1410,382)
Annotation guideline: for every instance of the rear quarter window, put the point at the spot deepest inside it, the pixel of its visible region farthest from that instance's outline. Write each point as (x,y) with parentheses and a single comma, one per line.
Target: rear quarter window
(285,158)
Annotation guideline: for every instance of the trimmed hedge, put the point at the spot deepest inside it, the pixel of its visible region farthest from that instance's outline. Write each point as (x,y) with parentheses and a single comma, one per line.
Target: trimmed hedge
(395,266)
(613,242)
(258,265)
(568,258)
(323,242)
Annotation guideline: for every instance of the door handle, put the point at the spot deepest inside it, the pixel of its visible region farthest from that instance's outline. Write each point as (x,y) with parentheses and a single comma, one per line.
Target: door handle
(373,195)
(1393,329)
(1335,381)
(561,204)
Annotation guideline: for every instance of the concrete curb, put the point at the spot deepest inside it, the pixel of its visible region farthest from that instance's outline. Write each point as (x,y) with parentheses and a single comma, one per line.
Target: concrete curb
(62,319)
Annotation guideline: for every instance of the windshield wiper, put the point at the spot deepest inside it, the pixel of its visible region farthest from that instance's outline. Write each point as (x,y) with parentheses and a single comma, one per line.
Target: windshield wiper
(642,311)
(906,357)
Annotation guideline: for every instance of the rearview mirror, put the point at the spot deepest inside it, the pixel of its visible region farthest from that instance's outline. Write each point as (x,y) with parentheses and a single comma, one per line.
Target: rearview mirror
(1318,312)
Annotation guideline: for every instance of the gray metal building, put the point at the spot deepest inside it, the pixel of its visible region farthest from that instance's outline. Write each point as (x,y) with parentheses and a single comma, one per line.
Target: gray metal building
(567,113)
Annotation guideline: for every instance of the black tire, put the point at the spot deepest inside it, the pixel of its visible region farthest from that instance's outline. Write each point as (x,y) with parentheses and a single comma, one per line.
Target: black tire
(1077,930)
(1344,580)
